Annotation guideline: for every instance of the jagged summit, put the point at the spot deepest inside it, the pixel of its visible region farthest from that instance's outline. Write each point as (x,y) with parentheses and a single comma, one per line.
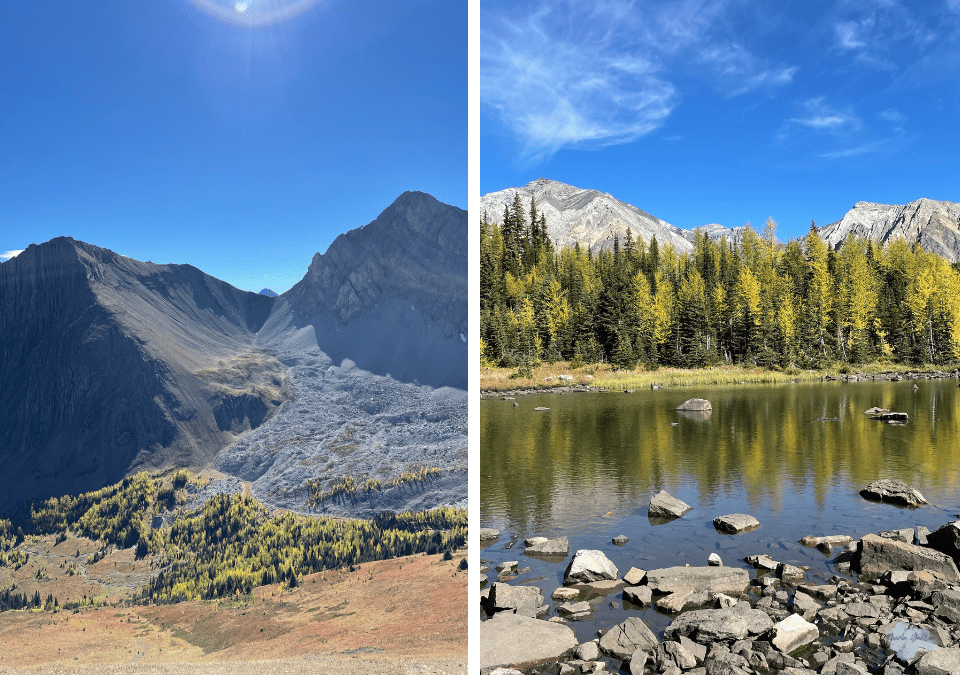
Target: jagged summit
(935,225)
(413,251)
(590,217)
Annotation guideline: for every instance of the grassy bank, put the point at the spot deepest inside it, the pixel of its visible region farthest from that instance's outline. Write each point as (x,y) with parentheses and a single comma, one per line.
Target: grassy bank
(545,376)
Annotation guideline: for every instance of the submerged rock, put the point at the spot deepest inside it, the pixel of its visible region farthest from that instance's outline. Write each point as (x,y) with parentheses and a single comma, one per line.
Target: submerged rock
(559,546)
(735,523)
(893,491)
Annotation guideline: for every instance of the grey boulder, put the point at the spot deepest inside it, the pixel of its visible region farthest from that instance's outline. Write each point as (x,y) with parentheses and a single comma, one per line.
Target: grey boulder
(792,633)
(715,625)
(525,600)
(735,523)
(664,506)
(549,547)
(708,579)
(696,404)
(588,566)
(946,540)
(876,555)
(940,661)
(626,638)
(510,639)
(893,491)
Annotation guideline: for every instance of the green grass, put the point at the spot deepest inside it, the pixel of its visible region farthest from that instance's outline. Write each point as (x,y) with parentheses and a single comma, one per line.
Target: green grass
(603,375)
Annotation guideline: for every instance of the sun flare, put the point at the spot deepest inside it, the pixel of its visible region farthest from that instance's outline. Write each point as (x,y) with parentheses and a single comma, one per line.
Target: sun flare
(254,12)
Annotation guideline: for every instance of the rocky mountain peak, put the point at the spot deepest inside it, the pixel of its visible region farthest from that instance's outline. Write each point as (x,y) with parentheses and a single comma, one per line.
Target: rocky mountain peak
(935,225)
(413,251)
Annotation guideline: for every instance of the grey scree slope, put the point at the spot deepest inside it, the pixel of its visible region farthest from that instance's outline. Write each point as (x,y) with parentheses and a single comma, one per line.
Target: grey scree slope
(110,365)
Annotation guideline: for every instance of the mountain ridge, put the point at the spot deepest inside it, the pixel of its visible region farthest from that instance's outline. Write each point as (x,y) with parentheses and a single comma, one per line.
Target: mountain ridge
(933,224)
(593,218)
(112,365)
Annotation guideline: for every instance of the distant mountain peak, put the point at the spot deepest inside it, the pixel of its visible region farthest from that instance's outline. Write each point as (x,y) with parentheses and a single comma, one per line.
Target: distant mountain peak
(935,225)
(267,292)
(592,218)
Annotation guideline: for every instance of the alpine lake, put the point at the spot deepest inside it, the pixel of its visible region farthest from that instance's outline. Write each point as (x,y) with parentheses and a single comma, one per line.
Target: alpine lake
(793,456)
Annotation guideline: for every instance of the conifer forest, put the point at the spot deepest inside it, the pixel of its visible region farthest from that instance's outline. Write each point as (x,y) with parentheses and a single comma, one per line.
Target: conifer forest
(755,302)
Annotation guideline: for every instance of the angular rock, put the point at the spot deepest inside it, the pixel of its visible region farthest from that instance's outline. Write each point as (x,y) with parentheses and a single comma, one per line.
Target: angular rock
(714,560)
(832,540)
(789,573)
(533,541)
(761,562)
(635,576)
(946,540)
(793,633)
(624,639)
(565,593)
(905,535)
(549,547)
(588,651)
(674,602)
(590,565)
(696,404)
(940,661)
(677,654)
(946,604)
(575,610)
(663,506)
(699,579)
(876,555)
(508,566)
(524,600)
(699,651)
(488,533)
(510,639)
(821,591)
(804,604)
(639,595)
(620,539)
(714,625)
(920,536)
(638,660)
(735,523)
(893,491)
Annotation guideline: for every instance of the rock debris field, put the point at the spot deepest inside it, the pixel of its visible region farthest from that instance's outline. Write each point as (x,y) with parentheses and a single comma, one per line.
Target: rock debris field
(344,421)
(897,613)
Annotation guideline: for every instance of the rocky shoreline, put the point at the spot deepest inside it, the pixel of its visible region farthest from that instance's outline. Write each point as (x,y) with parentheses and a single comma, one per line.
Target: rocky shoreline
(899,615)
(507,394)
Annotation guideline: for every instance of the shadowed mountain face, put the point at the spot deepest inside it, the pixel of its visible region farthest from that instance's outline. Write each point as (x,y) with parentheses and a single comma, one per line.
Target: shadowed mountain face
(110,365)
(935,225)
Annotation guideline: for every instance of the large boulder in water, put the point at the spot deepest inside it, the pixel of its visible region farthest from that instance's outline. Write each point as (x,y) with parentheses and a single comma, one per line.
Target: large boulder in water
(893,491)
(588,566)
(665,506)
(696,404)
(735,523)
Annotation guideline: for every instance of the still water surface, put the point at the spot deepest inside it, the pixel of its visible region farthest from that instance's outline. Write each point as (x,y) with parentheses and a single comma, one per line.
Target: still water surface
(794,456)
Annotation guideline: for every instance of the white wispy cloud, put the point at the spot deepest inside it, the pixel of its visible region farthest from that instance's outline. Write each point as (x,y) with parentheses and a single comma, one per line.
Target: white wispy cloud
(850,34)
(6,255)
(573,73)
(555,88)
(821,116)
(863,149)
(892,116)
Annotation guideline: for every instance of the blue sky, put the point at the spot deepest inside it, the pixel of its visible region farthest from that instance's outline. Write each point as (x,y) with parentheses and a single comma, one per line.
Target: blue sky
(221,134)
(724,111)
